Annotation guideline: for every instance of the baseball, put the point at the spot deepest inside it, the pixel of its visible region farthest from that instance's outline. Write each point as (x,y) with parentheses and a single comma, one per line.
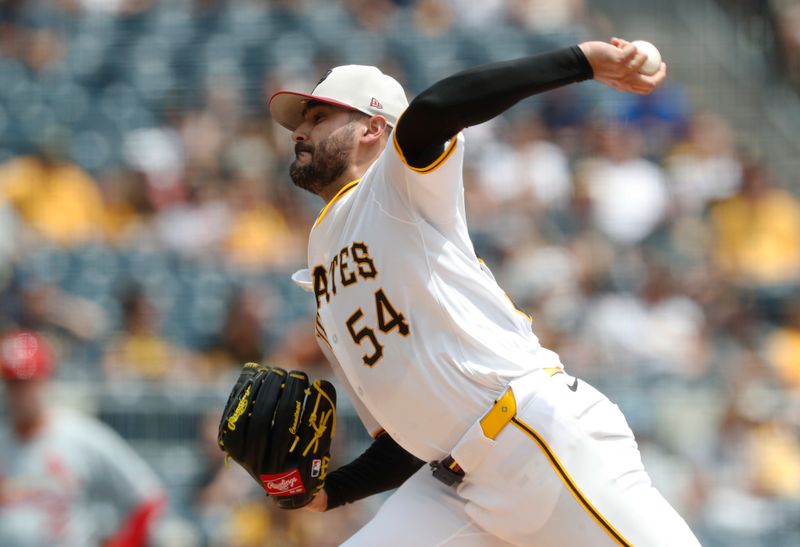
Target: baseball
(653,62)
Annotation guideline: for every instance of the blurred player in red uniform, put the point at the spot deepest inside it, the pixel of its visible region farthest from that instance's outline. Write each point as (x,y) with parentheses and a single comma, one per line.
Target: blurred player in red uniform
(58,467)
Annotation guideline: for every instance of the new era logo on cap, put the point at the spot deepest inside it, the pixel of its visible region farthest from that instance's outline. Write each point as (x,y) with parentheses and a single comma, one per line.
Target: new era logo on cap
(374,103)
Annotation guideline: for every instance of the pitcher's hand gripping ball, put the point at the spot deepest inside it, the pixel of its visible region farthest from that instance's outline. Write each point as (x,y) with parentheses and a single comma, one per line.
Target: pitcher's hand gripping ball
(279,427)
(653,62)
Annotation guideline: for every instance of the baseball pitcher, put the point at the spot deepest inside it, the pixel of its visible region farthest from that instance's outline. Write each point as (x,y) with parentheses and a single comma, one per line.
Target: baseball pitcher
(490,441)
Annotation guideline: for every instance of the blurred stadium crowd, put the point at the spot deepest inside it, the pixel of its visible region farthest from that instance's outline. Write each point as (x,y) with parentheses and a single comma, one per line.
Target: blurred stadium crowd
(149,229)
(776,25)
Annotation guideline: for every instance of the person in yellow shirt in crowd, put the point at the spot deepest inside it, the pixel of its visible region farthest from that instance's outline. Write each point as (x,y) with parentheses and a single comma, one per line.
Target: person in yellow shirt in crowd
(783,349)
(757,234)
(259,235)
(139,350)
(55,198)
(773,454)
(127,206)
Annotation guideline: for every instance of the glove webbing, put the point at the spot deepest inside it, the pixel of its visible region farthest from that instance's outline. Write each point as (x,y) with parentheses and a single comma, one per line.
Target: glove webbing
(319,429)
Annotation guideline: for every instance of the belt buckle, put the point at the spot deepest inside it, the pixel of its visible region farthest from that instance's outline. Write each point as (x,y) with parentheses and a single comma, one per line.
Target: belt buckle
(447,471)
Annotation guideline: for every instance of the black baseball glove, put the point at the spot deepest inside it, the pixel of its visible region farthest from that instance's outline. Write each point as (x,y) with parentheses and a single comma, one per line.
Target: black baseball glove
(279,428)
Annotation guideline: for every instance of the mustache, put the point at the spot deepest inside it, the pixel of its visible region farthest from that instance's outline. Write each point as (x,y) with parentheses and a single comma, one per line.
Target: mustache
(303,147)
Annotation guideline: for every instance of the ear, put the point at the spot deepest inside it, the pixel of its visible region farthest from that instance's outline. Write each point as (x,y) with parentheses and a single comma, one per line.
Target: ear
(374,128)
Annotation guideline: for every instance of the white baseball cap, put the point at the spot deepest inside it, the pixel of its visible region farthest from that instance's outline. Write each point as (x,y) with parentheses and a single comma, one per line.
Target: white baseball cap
(357,87)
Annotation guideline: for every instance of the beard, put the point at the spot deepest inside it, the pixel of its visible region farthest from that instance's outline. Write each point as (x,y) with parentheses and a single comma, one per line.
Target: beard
(329,159)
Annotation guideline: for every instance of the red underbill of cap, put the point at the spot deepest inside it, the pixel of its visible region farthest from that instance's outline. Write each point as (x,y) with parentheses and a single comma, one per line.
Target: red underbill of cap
(307,97)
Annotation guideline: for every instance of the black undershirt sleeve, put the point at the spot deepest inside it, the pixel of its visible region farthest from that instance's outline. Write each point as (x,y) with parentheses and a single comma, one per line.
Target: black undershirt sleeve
(479,94)
(384,465)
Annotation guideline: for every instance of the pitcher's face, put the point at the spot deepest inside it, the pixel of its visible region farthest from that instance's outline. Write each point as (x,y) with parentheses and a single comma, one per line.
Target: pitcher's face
(324,145)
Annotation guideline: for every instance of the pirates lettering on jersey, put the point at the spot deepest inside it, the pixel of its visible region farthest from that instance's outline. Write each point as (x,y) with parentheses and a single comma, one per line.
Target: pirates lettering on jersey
(350,264)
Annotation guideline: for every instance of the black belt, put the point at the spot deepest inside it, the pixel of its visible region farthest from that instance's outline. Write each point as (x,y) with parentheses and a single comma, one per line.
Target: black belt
(448,471)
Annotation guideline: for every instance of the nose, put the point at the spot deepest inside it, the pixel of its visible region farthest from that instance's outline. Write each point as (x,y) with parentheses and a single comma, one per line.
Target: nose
(300,134)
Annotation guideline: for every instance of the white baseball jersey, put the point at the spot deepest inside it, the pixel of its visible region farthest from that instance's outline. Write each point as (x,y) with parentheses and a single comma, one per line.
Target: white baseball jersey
(51,483)
(425,340)
(422,332)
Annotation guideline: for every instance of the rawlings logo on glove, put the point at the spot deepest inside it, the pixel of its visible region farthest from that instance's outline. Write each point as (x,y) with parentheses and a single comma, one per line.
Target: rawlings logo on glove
(285,484)
(279,428)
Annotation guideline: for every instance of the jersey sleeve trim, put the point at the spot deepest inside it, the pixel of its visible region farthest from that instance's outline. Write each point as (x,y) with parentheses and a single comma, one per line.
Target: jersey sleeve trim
(436,163)
(345,189)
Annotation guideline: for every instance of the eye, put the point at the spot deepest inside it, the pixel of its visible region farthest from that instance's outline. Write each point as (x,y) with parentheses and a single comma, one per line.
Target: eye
(318,117)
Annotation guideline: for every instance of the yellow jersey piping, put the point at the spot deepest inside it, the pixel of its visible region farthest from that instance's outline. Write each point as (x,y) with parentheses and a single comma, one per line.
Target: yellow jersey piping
(340,194)
(436,163)
(570,483)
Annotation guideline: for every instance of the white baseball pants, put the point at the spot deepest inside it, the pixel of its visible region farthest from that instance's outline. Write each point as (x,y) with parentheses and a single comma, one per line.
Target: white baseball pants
(565,471)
